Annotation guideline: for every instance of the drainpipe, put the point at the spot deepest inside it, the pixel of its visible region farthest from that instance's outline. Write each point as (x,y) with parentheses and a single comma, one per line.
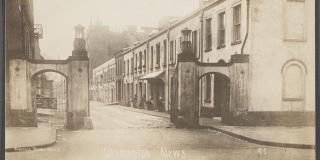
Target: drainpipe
(167,69)
(201,60)
(133,90)
(201,37)
(247,31)
(147,71)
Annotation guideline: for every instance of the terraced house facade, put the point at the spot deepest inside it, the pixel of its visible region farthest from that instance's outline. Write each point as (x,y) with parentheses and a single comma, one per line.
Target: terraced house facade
(254,64)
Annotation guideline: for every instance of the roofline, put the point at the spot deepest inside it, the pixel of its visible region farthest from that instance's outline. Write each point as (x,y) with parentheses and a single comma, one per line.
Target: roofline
(186,18)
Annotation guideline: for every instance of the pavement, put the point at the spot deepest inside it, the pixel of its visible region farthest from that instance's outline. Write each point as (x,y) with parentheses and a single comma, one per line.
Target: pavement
(291,137)
(28,138)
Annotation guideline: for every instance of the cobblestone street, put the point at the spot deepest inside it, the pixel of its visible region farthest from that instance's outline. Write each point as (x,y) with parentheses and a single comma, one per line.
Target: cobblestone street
(120,134)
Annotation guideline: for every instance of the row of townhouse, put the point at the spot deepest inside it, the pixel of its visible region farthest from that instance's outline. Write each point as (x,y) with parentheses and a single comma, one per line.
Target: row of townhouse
(104,89)
(277,36)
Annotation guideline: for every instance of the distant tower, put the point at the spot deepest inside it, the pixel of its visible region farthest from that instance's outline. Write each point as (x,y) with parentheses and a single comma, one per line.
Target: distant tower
(79,44)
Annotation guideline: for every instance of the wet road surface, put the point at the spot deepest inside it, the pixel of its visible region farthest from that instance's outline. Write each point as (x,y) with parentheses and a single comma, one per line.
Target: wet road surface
(120,134)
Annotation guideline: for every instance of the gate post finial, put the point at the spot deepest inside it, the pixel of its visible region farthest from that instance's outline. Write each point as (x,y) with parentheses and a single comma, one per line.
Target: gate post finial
(79,44)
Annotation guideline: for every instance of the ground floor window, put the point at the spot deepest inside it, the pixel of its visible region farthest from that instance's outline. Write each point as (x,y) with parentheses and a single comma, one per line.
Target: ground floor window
(293,86)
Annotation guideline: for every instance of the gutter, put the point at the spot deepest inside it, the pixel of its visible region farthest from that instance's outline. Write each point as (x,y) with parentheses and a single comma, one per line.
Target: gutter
(201,60)
(167,68)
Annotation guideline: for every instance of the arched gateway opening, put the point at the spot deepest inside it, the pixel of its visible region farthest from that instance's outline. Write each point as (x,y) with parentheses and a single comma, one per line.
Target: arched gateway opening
(75,70)
(214,95)
(49,97)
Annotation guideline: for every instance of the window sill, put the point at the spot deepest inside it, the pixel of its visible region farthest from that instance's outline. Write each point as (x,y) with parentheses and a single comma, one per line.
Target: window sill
(221,46)
(236,42)
(294,40)
(207,101)
(292,99)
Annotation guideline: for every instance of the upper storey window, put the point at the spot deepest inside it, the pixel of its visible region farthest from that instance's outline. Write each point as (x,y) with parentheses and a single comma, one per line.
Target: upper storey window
(294,26)
(221,29)
(157,55)
(236,24)
(171,52)
(208,35)
(164,53)
(151,58)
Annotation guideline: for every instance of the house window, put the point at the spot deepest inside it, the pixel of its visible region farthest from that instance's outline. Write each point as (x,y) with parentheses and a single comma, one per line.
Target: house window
(293,87)
(136,64)
(164,53)
(180,44)
(124,67)
(145,58)
(195,42)
(236,23)
(208,34)
(117,67)
(175,51)
(157,55)
(151,58)
(124,64)
(294,20)
(140,60)
(128,65)
(171,52)
(221,30)
(208,88)
(132,65)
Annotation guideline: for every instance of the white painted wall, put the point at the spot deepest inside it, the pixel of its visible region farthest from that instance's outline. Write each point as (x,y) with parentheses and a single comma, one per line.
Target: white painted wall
(269,50)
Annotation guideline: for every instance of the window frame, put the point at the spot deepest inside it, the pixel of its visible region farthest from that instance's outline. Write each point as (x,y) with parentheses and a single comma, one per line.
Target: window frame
(151,58)
(164,62)
(208,35)
(220,29)
(236,26)
(171,50)
(302,97)
(285,24)
(158,50)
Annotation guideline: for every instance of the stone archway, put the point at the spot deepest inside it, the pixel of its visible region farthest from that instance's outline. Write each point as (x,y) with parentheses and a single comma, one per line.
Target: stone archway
(54,101)
(185,101)
(75,68)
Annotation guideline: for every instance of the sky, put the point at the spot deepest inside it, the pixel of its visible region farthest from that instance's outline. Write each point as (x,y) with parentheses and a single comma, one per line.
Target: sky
(58,18)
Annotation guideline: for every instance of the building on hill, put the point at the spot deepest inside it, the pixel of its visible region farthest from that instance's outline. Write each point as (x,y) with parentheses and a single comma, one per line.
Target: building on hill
(103,44)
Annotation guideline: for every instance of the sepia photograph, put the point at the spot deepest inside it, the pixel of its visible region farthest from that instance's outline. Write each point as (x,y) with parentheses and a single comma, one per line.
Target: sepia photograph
(160,79)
